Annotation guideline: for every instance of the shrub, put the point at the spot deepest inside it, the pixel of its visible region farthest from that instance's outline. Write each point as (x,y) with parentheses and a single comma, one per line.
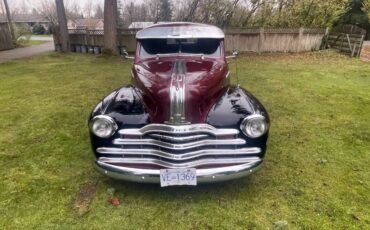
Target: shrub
(38,29)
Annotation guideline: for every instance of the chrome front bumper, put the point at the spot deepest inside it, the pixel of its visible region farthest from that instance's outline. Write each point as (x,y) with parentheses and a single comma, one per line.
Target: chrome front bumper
(203,175)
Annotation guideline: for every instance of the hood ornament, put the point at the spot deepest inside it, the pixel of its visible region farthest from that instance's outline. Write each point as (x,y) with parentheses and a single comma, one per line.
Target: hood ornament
(177,94)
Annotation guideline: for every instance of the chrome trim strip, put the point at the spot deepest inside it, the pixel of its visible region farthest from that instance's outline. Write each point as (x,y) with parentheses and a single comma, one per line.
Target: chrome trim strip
(203,175)
(181,146)
(184,156)
(179,129)
(179,139)
(177,93)
(165,164)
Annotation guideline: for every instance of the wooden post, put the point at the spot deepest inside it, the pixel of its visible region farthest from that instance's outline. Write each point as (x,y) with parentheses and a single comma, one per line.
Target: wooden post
(63,29)
(326,38)
(341,43)
(261,40)
(353,51)
(349,43)
(360,47)
(300,35)
(10,23)
(110,26)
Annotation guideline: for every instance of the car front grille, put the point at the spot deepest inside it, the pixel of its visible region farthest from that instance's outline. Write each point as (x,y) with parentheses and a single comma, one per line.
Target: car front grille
(185,146)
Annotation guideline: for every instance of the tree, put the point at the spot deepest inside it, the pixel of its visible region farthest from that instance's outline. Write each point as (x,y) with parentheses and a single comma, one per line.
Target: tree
(10,24)
(110,26)
(38,29)
(63,29)
(48,10)
(356,14)
(99,13)
(165,13)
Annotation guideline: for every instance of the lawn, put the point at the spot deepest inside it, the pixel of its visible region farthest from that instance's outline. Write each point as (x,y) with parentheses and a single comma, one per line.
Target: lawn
(315,176)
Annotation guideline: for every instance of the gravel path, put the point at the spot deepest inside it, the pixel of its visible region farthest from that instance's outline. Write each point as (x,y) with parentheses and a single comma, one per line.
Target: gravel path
(8,55)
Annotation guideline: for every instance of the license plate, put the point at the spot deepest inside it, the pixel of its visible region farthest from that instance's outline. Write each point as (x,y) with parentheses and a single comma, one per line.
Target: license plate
(172,177)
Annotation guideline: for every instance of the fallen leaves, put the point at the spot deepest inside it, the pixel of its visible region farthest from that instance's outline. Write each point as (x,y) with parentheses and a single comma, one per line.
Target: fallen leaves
(111,199)
(114,201)
(84,198)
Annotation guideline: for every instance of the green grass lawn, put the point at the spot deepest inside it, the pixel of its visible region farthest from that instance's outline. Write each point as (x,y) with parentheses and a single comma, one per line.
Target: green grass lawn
(316,173)
(26,43)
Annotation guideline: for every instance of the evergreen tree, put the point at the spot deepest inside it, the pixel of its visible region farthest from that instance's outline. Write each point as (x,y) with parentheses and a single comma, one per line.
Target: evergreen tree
(355,14)
(165,13)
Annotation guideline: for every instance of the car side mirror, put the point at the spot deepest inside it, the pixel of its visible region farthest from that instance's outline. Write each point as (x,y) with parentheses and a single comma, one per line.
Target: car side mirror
(126,55)
(234,55)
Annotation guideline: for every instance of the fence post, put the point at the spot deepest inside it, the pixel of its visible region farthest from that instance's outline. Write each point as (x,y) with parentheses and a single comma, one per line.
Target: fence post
(341,43)
(300,35)
(349,43)
(353,50)
(261,39)
(326,38)
(360,47)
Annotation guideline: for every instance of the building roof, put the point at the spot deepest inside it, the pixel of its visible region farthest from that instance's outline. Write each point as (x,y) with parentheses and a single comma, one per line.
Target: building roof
(139,25)
(26,18)
(180,30)
(90,23)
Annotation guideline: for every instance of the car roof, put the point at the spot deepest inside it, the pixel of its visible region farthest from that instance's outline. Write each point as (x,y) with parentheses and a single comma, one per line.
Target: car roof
(180,30)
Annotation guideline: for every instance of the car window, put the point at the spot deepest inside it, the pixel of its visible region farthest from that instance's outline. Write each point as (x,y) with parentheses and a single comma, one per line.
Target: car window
(207,47)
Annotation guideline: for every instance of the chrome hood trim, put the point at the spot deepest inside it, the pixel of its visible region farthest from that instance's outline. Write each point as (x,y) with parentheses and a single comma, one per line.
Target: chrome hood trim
(177,93)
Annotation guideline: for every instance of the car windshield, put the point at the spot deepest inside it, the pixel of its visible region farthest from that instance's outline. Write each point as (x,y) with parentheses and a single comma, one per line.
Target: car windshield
(192,46)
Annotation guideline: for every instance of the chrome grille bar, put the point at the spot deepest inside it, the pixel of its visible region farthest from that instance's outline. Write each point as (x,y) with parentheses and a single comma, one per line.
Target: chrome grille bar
(182,146)
(184,156)
(179,139)
(196,163)
(179,129)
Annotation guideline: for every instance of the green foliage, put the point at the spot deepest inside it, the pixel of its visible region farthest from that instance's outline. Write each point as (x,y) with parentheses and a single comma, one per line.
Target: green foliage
(357,13)
(22,34)
(38,29)
(315,176)
(290,13)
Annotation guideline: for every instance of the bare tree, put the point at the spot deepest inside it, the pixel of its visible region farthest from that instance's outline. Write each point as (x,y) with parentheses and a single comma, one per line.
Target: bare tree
(7,12)
(63,29)
(99,13)
(110,25)
(48,10)
(88,9)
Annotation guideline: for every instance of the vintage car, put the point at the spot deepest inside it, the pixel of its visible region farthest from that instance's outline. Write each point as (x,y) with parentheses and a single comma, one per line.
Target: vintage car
(180,122)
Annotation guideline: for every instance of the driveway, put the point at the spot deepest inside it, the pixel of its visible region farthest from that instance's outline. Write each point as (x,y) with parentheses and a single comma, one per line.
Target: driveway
(365,52)
(16,53)
(42,38)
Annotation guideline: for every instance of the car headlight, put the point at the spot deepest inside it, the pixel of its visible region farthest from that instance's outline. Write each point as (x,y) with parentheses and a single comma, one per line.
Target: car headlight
(254,126)
(103,126)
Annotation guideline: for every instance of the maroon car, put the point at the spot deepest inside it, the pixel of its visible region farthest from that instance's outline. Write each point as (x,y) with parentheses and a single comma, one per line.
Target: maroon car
(180,122)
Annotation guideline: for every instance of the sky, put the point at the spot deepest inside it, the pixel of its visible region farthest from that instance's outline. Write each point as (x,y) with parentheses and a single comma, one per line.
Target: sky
(30,4)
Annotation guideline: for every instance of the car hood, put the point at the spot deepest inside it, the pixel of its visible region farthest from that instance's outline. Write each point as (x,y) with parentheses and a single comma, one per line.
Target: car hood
(204,82)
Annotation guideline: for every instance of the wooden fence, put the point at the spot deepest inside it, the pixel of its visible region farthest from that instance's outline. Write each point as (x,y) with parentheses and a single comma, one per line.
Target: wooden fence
(347,39)
(274,40)
(245,40)
(5,37)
